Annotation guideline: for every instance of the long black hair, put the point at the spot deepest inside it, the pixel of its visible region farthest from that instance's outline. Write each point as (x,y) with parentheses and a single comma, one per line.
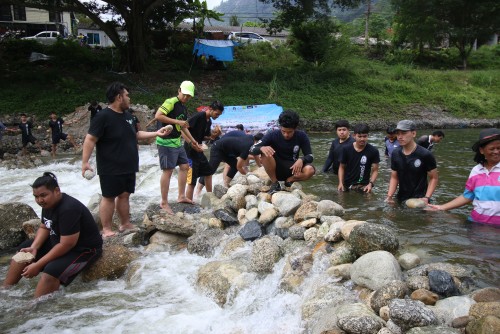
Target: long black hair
(48,179)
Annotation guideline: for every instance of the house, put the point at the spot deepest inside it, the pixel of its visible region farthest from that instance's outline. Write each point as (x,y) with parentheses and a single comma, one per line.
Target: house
(96,37)
(31,21)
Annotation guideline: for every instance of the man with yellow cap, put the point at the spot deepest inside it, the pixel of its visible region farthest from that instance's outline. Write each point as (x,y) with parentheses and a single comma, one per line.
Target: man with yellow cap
(170,151)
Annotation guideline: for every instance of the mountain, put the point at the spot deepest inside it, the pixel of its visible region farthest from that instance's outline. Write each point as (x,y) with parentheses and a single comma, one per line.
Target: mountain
(252,10)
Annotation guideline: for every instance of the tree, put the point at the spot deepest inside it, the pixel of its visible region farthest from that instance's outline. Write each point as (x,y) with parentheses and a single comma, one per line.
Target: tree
(233,21)
(462,22)
(138,17)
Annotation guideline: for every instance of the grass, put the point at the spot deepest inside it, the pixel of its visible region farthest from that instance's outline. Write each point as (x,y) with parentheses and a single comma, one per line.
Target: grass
(355,88)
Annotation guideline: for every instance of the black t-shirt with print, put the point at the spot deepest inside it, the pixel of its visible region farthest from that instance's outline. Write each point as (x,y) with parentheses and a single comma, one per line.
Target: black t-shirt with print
(358,164)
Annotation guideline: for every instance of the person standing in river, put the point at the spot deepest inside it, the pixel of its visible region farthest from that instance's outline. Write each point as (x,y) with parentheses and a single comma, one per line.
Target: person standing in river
(428,141)
(334,154)
(482,189)
(56,124)
(26,128)
(411,166)
(113,134)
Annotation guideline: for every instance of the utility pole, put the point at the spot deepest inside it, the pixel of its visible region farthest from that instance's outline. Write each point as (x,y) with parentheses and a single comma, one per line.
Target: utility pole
(368,12)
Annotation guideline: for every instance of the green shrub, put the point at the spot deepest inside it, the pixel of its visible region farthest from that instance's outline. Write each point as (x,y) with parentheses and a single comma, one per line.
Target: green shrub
(485,57)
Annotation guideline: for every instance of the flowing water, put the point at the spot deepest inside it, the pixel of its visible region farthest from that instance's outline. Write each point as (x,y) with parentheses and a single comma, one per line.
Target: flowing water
(162,297)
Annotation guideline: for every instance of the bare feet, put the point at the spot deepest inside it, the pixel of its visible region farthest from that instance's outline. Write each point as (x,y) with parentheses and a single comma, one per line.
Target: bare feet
(166,207)
(184,200)
(128,228)
(107,233)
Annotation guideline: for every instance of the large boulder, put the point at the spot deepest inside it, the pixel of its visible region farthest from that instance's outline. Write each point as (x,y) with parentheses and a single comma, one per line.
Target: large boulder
(366,238)
(12,217)
(410,313)
(265,253)
(375,270)
(173,224)
(111,265)
(204,242)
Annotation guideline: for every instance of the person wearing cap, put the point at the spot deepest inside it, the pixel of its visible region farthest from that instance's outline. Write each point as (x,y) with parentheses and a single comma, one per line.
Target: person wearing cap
(170,150)
(482,188)
(279,150)
(200,127)
(334,154)
(428,141)
(358,168)
(413,167)
(112,133)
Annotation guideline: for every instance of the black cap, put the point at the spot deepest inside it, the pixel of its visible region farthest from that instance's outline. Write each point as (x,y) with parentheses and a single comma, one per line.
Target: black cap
(486,136)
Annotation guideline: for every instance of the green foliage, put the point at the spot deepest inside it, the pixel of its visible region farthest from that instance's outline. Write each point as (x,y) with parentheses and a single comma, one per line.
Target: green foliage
(485,57)
(233,21)
(312,40)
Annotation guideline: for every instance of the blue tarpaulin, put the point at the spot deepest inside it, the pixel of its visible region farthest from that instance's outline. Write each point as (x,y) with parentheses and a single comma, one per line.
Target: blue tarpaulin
(221,50)
(254,118)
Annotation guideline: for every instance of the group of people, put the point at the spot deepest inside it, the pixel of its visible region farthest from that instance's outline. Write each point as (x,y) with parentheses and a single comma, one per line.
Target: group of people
(68,238)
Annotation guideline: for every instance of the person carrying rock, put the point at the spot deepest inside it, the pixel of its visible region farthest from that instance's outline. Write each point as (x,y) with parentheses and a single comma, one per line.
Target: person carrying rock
(66,242)
(279,151)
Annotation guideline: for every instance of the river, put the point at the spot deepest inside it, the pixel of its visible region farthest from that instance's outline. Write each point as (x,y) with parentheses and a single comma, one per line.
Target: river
(164,298)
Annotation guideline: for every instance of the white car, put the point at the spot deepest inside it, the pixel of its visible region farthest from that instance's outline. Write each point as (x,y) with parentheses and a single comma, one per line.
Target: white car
(246,37)
(45,37)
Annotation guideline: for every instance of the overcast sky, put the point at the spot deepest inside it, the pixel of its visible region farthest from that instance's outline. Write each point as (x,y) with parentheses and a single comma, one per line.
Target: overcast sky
(212,3)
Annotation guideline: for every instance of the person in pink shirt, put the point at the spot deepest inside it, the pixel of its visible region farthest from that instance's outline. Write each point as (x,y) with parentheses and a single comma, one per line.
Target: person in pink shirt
(482,189)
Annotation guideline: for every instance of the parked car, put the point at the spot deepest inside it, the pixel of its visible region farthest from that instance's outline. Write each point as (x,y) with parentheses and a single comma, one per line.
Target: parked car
(246,37)
(45,37)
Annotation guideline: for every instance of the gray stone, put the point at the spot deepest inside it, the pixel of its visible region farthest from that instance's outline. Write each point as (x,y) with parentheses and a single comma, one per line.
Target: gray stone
(486,325)
(441,282)
(359,325)
(286,203)
(330,208)
(433,330)
(409,261)
(334,233)
(251,201)
(263,206)
(297,267)
(296,232)
(12,217)
(348,226)
(418,282)
(486,295)
(219,190)
(265,253)
(382,296)
(342,253)
(311,235)
(204,242)
(410,313)
(268,216)
(226,217)
(367,238)
(376,269)
(342,270)
(453,307)
(251,230)
(173,224)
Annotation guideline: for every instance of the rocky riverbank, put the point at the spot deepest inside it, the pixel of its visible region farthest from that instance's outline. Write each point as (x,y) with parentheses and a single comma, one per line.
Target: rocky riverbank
(366,282)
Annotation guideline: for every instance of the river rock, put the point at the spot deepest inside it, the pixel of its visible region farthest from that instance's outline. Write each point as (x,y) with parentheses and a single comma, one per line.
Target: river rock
(297,267)
(219,190)
(111,265)
(441,282)
(23,257)
(385,330)
(342,270)
(174,225)
(433,330)
(425,296)
(395,329)
(455,270)
(268,215)
(286,203)
(486,325)
(209,201)
(304,209)
(12,216)
(217,278)
(342,253)
(251,230)
(226,217)
(170,241)
(418,282)
(330,208)
(375,270)
(480,310)
(453,307)
(411,313)
(204,242)
(358,318)
(367,238)
(384,312)
(265,253)
(263,206)
(409,260)
(308,223)
(296,232)
(30,227)
(486,295)
(348,226)
(382,296)
(415,203)
(252,214)
(251,202)
(334,233)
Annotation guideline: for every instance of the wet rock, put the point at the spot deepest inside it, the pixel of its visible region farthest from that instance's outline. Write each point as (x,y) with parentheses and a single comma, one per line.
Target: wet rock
(219,190)
(480,310)
(12,216)
(358,318)
(486,325)
(455,270)
(486,295)
(173,224)
(375,270)
(311,235)
(234,247)
(441,282)
(418,282)
(296,232)
(425,296)
(334,233)
(265,253)
(409,260)
(171,241)
(286,203)
(384,312)
(297,267)
(305,209)
(367,238)
(227,218)
(268,215)
(453,307)
(433,330)
(410,313)
(382,296)
(204,242)
(342,270)
(330,208)
(461,322)
(348,226)
(111,265)
(415,203)
(251,230)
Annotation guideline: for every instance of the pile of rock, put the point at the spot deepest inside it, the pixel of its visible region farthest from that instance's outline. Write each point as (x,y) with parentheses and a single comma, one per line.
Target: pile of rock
(358,279)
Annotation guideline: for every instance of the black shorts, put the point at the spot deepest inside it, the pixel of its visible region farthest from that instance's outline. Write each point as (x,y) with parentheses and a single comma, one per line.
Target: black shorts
(114,185)
(216,157)
(68,266)
(56,138)
(170,157)
(198,166)
(283,170)
(28,139)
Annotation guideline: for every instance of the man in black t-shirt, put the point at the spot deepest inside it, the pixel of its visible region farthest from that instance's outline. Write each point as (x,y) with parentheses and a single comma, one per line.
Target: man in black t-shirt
(94,108)
(279,151)
(55,124)
(66,242)
(335,153)
(113,134)
(200,128)
(26,128)
(411,166)
(358,168)
(428,141)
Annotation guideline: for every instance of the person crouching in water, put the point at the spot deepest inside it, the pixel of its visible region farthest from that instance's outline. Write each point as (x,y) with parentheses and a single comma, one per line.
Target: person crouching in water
(66,242)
